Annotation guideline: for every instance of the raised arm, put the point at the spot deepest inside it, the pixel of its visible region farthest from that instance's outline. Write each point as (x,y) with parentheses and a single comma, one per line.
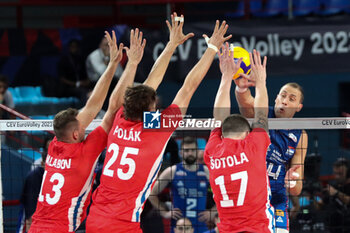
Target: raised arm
(196,75)
(176,38)
(95,102)
(135,54)
(297,166)
(261,99)
(228,68)
(244,97)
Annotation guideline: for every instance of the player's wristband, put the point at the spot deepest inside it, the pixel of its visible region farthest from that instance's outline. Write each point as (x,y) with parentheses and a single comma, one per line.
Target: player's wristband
(211,46)
(241,90)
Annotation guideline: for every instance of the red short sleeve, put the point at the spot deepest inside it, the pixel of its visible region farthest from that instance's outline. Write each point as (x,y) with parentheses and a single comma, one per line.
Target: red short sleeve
(95,142)
(260,139)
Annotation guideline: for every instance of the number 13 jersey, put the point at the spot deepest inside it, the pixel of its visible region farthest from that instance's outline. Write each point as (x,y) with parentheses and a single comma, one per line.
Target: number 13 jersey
(67,182)
(238,178)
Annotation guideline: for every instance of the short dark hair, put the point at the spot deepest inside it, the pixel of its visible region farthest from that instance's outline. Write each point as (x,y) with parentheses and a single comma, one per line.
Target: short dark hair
(45,149)
(298,87)
(341,161)
(235,123)
(189,140)
(137,100)
(63,121)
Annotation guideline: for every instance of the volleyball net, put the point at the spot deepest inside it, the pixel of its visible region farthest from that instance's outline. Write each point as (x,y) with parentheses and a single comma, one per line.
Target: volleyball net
(23,143)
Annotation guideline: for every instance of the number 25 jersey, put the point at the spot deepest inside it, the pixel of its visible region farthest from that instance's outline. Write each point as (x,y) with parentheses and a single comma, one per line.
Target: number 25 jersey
(133,159)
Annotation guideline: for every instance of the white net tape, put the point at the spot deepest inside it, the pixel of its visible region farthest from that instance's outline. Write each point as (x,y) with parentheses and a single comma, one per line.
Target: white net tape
(195,124)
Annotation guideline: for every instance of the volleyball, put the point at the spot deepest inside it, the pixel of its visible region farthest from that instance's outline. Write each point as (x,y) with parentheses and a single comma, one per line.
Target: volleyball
(245,68)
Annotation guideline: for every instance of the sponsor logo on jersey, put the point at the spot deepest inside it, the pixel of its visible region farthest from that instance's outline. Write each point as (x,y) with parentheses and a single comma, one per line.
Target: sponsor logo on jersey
(279,219)
(201,173)
(279,212)
(202,184)
(180,183)
(293,137)
(151,120)
(180,173)
(290,150)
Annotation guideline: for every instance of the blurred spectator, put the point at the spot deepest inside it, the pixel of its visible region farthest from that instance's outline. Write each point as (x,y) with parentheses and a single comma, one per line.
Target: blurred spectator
(32,186)
(183,225)
(5,98)
(71,71)
(97,61)
(306,213)
(338,197)
(189,183)
(216,229)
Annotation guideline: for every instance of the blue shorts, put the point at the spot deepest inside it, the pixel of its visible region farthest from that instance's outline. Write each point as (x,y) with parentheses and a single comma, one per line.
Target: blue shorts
(281,215)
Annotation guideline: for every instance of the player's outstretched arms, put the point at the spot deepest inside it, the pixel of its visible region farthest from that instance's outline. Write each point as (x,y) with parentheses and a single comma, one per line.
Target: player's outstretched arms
(244,97)
(95,102)
(176,38)
(228,68)
(135,54)
(196,75)
(261,102)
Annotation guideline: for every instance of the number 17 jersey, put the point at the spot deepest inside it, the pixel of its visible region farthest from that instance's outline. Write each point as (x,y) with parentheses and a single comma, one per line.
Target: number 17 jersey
(238,178)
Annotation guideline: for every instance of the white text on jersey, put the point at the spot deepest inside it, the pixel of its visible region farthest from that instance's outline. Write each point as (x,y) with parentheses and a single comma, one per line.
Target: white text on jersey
(127,135)
(58,163)
(228,161)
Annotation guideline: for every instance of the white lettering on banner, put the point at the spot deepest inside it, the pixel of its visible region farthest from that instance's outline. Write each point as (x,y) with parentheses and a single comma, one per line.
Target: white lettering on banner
(330,42)
(58,163)
(273,46)
(127,135)
(228,161)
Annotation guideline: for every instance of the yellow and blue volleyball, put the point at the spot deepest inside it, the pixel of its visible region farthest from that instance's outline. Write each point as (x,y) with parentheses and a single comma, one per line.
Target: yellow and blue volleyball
(245,68)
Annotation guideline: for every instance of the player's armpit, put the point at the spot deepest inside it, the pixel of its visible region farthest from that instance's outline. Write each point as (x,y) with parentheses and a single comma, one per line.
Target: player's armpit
(261,120)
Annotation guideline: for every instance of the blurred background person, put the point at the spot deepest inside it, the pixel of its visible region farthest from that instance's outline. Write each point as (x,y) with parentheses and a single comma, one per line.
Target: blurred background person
(183,225)
(338,197)
(72,75)
(188,183)
(5,98)
(32,186)
(96,63)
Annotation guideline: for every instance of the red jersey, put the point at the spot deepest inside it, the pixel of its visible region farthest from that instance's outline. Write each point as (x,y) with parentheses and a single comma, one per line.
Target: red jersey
(132,162)
(67,181)
(239,181)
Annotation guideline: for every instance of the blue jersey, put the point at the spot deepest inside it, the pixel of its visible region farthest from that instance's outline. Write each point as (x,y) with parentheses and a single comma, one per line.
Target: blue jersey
(189,192)
(280,152)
